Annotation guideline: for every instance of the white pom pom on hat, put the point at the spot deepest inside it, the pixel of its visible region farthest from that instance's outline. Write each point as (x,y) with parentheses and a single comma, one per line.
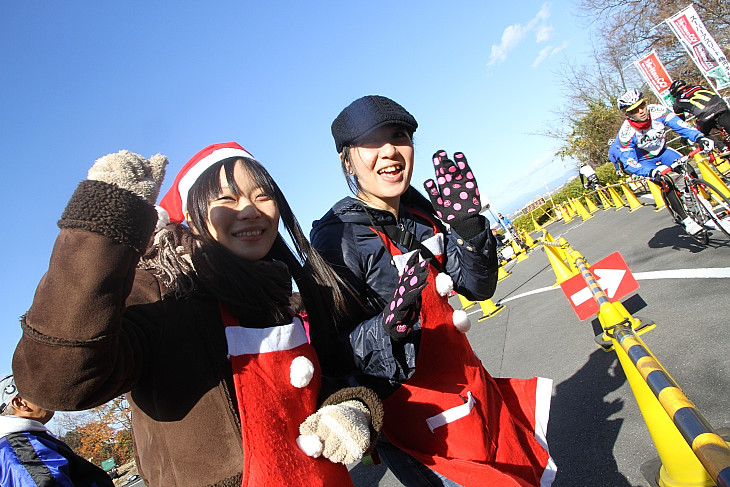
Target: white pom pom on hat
(301,372)
(176,199)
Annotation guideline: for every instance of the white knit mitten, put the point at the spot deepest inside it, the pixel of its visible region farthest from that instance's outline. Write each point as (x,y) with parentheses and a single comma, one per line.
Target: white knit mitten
(132,172)
(340,432)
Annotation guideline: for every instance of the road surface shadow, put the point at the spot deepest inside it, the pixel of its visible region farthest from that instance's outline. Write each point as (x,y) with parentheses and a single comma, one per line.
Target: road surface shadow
(581,434)
(675,237)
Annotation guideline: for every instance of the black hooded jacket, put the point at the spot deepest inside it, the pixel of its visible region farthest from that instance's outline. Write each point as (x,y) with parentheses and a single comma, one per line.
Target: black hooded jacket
(345,237)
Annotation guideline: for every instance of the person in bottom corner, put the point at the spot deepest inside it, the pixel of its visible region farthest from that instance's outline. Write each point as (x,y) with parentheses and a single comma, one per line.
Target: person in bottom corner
(447,421)
(31,455)
(644,151)
(225,388)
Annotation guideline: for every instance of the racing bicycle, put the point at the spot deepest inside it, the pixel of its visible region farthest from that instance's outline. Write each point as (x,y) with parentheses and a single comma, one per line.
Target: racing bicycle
(702,201)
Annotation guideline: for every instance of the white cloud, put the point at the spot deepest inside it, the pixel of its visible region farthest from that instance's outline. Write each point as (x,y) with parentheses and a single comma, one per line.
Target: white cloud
(548,52)
(515,33)
(544,32)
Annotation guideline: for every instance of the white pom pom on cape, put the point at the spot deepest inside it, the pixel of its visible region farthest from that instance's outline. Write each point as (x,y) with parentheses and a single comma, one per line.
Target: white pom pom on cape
(301,372)
(461,320)
(444,283)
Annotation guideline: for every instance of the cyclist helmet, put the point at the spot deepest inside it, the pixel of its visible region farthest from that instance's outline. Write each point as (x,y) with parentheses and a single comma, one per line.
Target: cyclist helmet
(630,100)
(676,86)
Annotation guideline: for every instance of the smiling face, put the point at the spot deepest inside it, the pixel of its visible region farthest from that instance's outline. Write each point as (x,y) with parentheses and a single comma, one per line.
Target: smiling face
(382,163)
(245,221)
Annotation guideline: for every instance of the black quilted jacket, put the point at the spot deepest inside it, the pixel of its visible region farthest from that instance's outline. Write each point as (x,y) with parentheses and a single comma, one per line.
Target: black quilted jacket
(345,238)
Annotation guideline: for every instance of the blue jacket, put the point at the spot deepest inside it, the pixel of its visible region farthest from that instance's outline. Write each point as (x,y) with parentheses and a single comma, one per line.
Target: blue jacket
(639,147)
(30,457)
(345,238)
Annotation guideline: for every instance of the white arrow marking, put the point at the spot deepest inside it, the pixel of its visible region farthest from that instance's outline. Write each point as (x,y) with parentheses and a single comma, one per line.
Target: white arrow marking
(609,280)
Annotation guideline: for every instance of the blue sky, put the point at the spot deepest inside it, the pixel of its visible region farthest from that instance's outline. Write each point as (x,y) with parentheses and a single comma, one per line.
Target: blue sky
(83,79)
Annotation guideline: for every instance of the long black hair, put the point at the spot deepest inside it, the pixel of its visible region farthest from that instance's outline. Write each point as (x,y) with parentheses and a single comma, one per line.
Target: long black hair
(320,287)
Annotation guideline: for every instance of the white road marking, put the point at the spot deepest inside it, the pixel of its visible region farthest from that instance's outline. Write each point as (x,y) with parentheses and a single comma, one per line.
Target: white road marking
(700,273)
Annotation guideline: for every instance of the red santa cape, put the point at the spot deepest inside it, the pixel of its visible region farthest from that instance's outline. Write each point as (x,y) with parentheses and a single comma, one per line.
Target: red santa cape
(454,417)
(277,378)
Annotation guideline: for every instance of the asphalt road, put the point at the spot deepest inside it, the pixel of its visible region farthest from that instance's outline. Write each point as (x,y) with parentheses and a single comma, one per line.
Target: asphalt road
(596,433)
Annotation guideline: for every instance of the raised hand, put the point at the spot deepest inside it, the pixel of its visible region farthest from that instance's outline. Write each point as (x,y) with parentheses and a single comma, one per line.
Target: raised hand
(402,312)
(454,195)
(132,172)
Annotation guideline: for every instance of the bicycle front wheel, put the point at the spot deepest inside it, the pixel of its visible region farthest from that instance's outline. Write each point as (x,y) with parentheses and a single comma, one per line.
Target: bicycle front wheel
(713,204)
(694,209)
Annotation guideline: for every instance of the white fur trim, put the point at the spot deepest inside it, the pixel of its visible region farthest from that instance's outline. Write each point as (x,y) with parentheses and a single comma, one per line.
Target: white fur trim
(187,181)
(444,283)
(461,320)
(163,218)
(435,244)
(311,445)
(301,372)
(251,341)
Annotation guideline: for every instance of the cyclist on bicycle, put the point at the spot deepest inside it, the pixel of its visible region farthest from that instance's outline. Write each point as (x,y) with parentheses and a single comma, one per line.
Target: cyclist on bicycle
(708,107)
(644,150)
(588,176)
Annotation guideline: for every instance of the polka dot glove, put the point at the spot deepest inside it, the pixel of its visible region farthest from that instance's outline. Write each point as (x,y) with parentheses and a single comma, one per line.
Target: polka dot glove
(403,310)
(339,432)
(454,195)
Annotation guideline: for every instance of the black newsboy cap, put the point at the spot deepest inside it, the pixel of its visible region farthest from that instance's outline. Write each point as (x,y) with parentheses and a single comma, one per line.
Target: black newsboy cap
(368,113)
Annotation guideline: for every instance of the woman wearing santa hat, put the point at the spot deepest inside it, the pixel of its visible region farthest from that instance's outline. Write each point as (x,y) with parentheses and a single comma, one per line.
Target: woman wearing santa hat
(447,421)
(194,323)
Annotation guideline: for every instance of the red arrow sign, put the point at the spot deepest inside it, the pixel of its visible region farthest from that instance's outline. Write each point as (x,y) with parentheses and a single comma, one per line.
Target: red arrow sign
(614,277)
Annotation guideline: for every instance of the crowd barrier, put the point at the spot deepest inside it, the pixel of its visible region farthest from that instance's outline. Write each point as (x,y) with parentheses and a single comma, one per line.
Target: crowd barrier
(691,452)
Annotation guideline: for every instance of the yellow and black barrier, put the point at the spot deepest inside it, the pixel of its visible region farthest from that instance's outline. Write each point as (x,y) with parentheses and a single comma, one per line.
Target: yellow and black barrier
(691,452)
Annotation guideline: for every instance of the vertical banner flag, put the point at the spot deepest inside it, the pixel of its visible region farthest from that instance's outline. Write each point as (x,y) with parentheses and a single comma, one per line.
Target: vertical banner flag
(700,45)
(652,69)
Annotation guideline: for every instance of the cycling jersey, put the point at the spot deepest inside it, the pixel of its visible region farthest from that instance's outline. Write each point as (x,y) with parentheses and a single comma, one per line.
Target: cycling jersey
(642,150)
(700,102)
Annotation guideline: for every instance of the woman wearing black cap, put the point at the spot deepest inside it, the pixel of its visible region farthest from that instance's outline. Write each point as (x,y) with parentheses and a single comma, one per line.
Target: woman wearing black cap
(447,421)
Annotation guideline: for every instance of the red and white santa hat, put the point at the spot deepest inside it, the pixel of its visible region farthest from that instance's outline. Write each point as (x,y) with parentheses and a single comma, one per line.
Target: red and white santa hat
(175,200)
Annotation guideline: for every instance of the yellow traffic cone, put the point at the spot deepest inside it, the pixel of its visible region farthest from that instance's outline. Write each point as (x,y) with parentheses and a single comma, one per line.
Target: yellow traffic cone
(571,210)
(591,205)
(502,274)
(631,198)
(566,217)
(519,251)
(560,268)
(571,205)
(605,202)
(722,165)
(465,303)
(711,177)
(617,201)
(656,192)
(529,241)
(538,228)
(582,210)
(489,309)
